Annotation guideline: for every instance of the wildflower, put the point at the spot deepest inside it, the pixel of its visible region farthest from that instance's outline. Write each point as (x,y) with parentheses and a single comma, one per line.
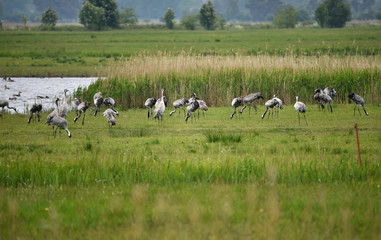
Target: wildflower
(46,209)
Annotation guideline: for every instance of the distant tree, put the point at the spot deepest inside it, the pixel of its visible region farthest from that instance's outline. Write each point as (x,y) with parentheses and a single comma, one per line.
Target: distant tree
(92,17)
(169,17)
(259,9)
(49,17)
(111,13)
(208,16)
(24,20)
(189,22)
(333,13)
(286,17)
(128,16)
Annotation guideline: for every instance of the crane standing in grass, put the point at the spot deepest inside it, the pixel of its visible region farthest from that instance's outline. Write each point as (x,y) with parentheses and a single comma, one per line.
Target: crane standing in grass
(75,103)
(4,103)
(110,115)
(300,108)
(249,99)
(36,108)
(322,97)
(109,102)
(82,108)
(235,104)
(272,103)
(98,100)
(179,104)
(358,101)
(150,102)
(64,108)
(160,107)
(55,120)
(193,105)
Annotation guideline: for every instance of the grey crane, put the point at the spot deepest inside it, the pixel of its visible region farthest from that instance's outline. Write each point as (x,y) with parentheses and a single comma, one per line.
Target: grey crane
(249,99)
(235,104)
(358,101)
(160,107)
(150,102)
(272,103)
(179,104)
(322,97)
(278,106)
(54,113)
(82,108)
(36,108)
(109,102)
(193,105)
(300,108)
(330,92)
(201,104)
(75,103)
(98,100)
(58,121)
(110,115)
(64,108)
(4,103)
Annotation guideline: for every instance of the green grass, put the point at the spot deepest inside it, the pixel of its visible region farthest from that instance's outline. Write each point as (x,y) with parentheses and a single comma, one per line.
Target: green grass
(28,53)
(243,178)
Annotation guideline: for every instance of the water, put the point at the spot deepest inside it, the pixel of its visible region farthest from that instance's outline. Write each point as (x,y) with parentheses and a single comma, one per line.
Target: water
(32,89)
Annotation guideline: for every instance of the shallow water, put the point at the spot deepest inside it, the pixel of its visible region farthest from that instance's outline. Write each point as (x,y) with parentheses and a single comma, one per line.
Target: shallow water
(40,90)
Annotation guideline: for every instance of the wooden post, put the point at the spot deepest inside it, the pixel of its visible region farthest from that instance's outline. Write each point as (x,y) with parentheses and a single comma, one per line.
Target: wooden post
(358,143)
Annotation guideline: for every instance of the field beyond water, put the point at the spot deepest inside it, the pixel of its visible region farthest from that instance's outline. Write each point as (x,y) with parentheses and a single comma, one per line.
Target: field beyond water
(49,53)
(212,178)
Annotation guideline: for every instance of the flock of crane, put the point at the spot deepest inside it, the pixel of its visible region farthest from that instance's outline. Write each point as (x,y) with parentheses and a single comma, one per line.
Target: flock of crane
(156,107)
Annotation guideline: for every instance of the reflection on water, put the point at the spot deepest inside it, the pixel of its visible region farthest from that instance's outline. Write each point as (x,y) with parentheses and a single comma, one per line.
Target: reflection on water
(40,90)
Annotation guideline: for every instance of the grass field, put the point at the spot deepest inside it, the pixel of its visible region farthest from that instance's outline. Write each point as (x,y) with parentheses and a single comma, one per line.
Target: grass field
(214,178)
(84,53)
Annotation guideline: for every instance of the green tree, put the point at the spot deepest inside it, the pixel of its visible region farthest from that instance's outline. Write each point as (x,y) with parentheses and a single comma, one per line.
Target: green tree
(208,16)
(189,22)
(169,17)
(333,13)
(128,17)
(110,8)
(92,17)
(303,15)
(49,17)
(24,20)
(286,17)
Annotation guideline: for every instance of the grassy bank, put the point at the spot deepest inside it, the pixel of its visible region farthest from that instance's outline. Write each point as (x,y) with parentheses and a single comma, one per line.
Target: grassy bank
(215,177)
(219,79)
(83,53)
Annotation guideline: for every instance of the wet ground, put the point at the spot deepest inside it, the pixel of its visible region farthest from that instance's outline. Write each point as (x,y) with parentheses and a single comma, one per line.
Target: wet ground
(40,90)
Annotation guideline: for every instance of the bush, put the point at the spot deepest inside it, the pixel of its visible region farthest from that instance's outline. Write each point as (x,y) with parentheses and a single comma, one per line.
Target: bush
(332,13)
(49,17)
(286,17)
(189,22)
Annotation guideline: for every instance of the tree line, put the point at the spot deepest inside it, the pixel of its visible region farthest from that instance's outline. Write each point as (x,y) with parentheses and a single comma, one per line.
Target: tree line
(104,14)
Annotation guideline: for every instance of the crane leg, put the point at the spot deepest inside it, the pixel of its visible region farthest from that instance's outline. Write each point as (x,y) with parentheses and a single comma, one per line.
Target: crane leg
(78,116)
(233,113)
(38,115)
(242,109)
(264,114)
(358,108)
(83,120)
(299,118)
(365,110)
(305,118)
(330,107)
(31,115)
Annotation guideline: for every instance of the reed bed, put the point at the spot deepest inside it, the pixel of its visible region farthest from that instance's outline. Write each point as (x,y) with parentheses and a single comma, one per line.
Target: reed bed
(218,79)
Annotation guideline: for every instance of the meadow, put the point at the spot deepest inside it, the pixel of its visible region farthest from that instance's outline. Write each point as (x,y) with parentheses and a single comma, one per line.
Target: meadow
(213,177)
(49,53)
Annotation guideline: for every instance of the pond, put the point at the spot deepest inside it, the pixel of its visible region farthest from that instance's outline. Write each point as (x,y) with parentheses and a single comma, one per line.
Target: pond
(40,90)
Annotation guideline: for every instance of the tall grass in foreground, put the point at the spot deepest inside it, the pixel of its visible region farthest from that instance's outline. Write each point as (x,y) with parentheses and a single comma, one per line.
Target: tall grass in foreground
(218,79)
